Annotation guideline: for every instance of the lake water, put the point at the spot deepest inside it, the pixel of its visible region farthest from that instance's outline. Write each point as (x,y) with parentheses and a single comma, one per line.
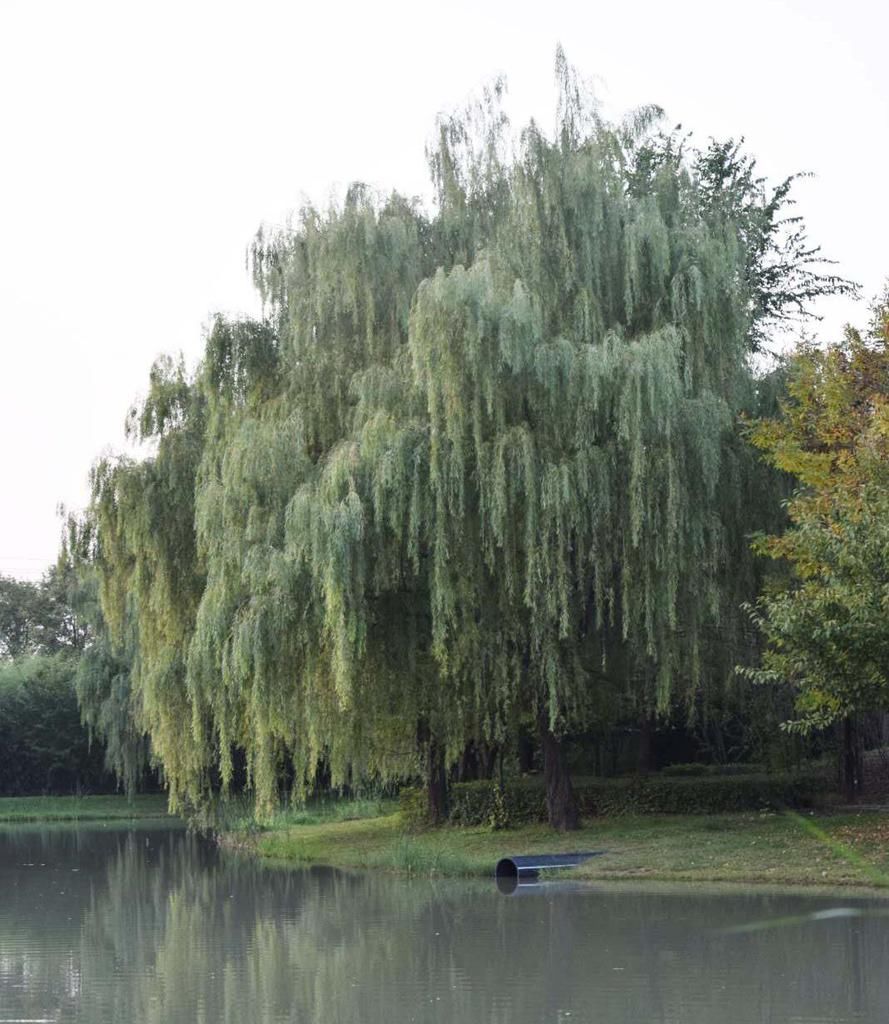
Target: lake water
(139,924)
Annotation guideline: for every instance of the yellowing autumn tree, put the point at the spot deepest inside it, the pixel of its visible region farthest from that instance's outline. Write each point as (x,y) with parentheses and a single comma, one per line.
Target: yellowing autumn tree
(827,626)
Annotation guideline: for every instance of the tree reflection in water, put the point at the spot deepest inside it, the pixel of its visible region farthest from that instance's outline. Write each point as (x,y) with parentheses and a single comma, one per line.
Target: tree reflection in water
(155,925)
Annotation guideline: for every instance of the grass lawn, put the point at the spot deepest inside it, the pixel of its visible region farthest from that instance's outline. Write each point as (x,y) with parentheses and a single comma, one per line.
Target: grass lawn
(81,808)
(781,849)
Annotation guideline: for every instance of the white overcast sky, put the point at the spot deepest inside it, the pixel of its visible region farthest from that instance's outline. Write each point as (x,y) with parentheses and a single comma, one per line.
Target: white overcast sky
(142,144)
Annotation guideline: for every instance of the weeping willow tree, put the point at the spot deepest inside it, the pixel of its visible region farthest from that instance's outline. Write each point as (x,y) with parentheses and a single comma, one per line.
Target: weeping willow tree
(472,469)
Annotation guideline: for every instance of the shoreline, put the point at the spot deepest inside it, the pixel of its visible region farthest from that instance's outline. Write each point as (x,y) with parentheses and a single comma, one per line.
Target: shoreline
(846,852)
(105,807)
(834,852)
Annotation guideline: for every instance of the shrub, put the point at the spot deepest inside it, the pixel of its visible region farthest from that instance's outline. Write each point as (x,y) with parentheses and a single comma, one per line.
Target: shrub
(523,801)
(708,794)
(412,805)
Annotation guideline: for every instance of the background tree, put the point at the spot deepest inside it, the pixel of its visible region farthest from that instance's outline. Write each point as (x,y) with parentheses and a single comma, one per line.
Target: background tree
(20,625)
(39,618)
(43,746)
(825,622)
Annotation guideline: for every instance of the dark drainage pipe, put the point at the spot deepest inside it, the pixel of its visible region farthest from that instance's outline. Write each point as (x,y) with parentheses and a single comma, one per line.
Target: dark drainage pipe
(511,872)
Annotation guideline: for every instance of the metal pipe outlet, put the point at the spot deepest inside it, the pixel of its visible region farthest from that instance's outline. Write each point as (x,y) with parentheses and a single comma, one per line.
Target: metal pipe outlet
(514,871)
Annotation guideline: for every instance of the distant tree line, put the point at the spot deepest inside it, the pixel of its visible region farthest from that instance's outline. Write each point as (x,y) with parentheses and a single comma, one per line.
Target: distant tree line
(478,489)
(44,747)
(52,740)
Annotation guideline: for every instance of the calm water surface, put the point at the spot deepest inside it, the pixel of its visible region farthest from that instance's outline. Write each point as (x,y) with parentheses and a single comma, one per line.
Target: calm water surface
(146,925)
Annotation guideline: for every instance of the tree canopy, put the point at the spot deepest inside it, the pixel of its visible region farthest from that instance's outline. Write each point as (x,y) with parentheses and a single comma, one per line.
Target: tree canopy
(474,467)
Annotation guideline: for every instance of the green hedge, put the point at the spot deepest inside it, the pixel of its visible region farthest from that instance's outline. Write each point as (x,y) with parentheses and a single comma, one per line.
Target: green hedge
(688,770)
(522,801)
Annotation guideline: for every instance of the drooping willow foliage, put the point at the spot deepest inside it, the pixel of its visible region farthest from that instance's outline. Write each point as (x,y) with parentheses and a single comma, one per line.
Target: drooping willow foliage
(472,467)
(149,584)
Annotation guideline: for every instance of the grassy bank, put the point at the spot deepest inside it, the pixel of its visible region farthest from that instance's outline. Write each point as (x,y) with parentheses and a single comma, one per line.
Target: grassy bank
(780,849)
(81,808)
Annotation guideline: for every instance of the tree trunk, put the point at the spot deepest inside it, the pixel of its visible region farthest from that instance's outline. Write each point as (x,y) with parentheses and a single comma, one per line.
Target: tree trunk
(437,783)
(525,752)
(322,780)
(468,769)
(488,759)
(561,804)
(646,744)
(851,763)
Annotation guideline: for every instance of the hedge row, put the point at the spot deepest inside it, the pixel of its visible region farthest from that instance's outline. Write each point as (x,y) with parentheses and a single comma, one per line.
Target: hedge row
(687,770)
(521,801)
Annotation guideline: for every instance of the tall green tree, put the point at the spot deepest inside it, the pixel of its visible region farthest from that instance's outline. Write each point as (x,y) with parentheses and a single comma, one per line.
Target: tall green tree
(472,469)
